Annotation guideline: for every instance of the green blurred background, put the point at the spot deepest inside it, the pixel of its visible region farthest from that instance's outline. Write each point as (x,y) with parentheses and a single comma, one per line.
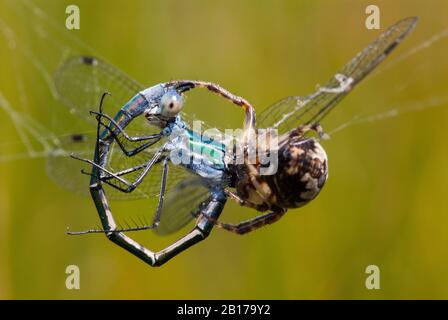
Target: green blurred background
(384,201)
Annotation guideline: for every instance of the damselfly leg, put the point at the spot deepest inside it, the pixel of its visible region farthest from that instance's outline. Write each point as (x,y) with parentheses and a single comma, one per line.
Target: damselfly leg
(105,174)
(157,216)
(151,139)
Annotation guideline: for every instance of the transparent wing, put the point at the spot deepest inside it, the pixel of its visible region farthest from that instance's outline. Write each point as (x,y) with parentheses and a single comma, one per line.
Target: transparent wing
(291,112)
(80,82)
(182,205)
(64,170)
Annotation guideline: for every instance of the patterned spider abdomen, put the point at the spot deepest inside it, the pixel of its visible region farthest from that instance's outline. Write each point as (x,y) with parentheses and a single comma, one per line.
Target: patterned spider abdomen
(302,169)
(302,172)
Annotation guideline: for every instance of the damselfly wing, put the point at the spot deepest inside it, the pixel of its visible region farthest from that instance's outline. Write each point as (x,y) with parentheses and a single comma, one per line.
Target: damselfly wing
(289,113)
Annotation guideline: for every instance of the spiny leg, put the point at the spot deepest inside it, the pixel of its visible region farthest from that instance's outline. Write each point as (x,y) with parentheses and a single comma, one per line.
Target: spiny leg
(130,186)
(118,173)
(249,121)
(157,215)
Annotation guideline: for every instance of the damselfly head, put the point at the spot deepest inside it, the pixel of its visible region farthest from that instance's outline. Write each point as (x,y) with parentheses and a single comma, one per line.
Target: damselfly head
(165,103)
(171,104)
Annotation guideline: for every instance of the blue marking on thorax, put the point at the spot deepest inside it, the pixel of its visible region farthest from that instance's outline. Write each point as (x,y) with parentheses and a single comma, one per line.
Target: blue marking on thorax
(200,154)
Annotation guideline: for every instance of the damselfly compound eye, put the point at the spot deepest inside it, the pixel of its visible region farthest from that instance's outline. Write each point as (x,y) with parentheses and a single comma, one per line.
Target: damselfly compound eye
(171,104)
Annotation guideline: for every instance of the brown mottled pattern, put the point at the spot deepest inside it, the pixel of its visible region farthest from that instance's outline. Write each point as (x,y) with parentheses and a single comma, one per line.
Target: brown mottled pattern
(302,172)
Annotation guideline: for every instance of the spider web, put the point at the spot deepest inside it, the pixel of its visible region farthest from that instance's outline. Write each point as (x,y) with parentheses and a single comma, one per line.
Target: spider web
(35,48)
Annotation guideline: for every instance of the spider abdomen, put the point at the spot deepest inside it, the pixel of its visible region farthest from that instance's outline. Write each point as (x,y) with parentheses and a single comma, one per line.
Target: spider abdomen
(302,172)
(302,169)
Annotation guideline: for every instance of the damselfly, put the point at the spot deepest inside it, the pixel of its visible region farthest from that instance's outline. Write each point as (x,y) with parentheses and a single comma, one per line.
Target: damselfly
(122,159)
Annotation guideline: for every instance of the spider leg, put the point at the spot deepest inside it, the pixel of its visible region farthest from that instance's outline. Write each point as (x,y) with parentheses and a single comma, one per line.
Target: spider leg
(240,201)
(252,224)
(249,119)
(316,127)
